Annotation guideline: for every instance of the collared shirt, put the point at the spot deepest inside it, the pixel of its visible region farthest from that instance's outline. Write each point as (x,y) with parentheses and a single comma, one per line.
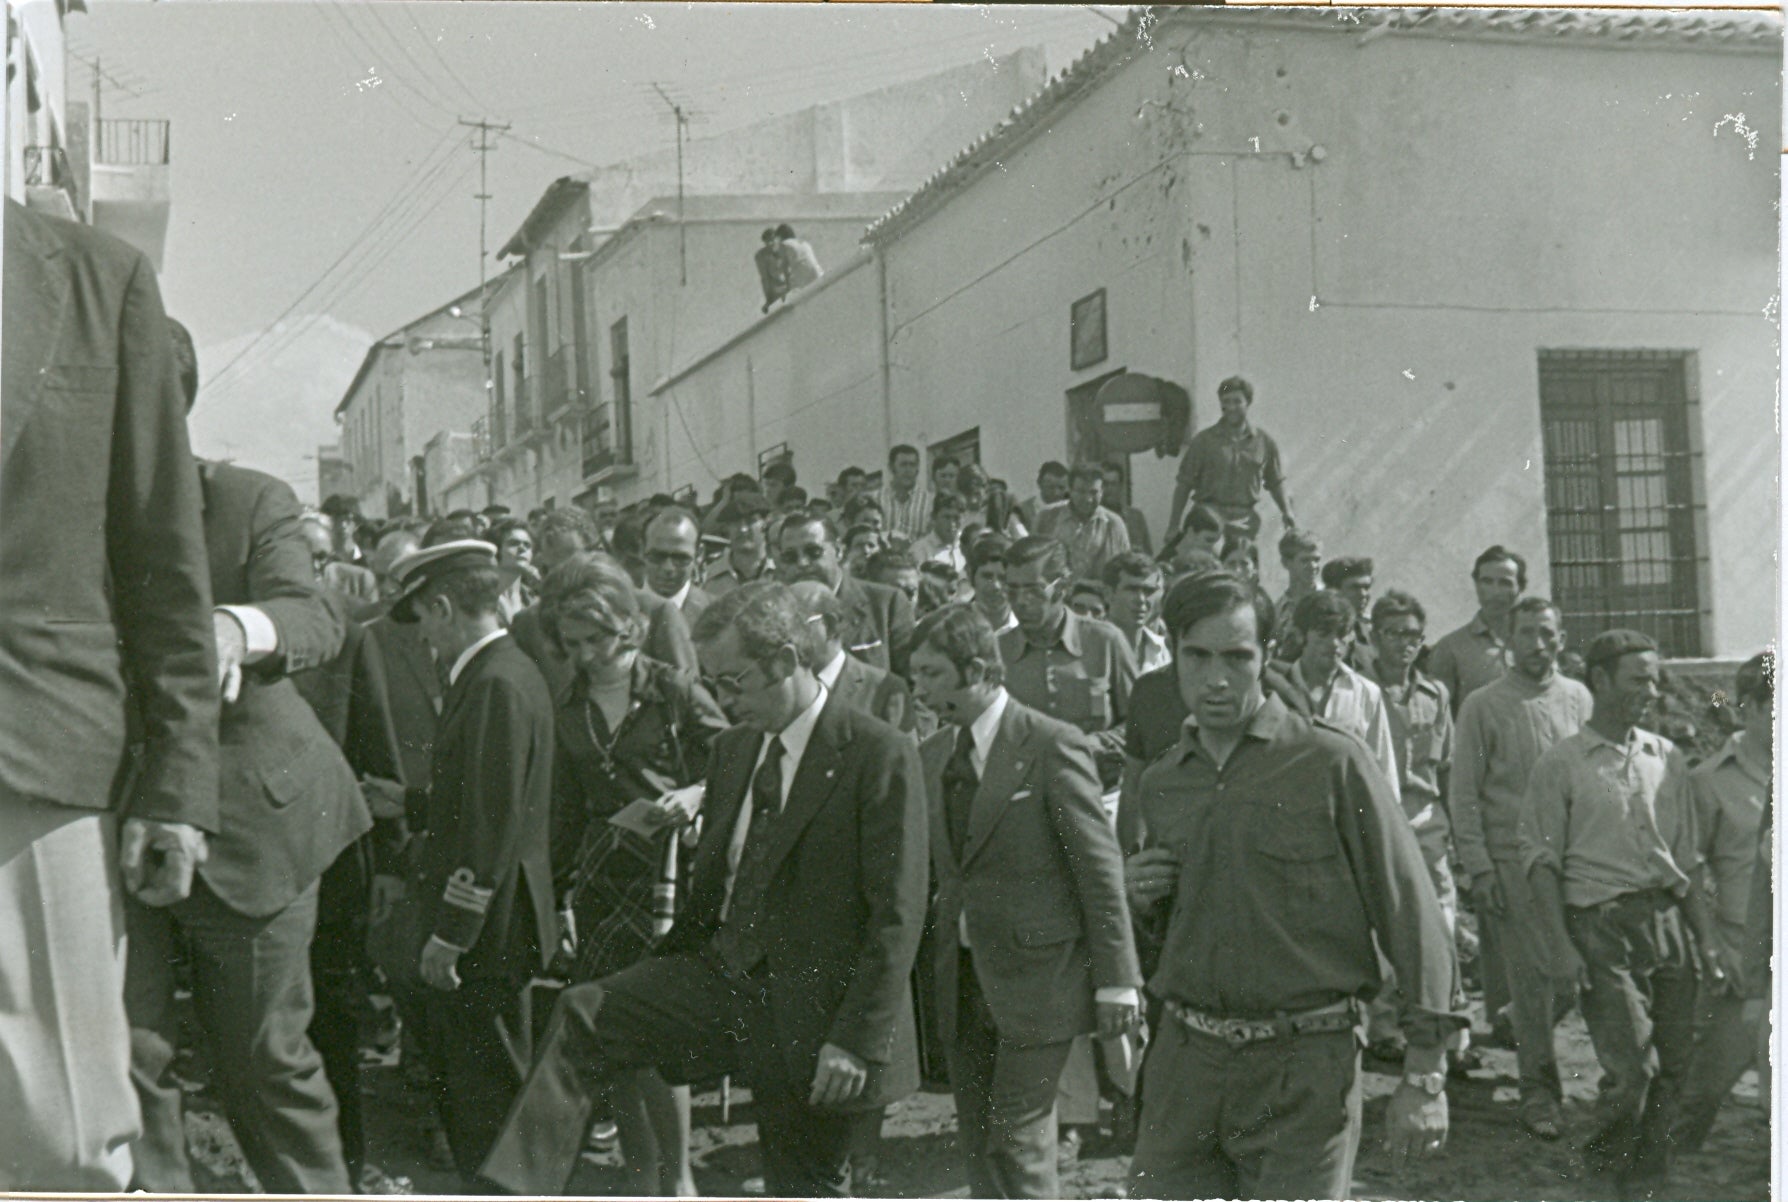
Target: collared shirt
(910,516)
(1082,678)
(1729,792)
(1149,646)
(795,737)
(1501,731)
(1292,856)
(1227,469)
(932,549)
(1091,542)
(681,595)
(1011,623)
(1354,704)
(1611,818)
(730,577)
(1468,659)
(828,675)
(465,657)
(1422,737)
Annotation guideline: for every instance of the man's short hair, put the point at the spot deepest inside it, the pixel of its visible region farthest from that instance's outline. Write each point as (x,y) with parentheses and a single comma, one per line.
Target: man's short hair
(1201,595)
(1236,384)
(1756,680)
(186,361)
(940,462)
(970,473)
(1535,605)
(825,616)
(570,521)
(1050,556)
(781,471)
(1396,603)
(785,230)
(858,504)
(671,514)
(1234,542)
(501,530)
(448,530)
(1324,611)
(1130,563)
(1501,554)
(1295,542)
(852,473)
(1050,468)
(766,615)
(961,635)
(988,548)
(900,449)
(949,500)
(340,505)
(1337,572)
(473,591)
(1085,471)
(888,561)
(1090,588)
(828,529)
(1204,518)
(861,528)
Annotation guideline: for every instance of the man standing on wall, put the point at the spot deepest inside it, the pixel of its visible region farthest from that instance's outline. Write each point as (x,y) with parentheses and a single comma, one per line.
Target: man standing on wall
(905,505)
(1227,464)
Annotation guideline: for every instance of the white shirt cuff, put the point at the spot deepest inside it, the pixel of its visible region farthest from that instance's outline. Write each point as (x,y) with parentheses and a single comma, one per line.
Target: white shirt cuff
(259,633)
(1118,995)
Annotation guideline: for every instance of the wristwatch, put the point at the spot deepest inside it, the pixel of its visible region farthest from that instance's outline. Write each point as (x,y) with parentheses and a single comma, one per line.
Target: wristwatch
(1432,1084)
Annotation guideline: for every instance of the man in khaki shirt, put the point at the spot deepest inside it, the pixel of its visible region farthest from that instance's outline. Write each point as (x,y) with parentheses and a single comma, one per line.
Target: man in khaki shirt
(1608,839)
(1478,652)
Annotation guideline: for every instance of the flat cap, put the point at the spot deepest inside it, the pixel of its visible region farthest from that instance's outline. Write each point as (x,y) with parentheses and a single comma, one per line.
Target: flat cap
(419,569)
(1610,645)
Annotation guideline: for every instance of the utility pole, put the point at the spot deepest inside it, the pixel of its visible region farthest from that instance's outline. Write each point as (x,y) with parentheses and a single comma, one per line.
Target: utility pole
(482,147)
(682,119)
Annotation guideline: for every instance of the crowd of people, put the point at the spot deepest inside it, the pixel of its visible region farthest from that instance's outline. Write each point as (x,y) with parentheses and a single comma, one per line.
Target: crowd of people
(822,796)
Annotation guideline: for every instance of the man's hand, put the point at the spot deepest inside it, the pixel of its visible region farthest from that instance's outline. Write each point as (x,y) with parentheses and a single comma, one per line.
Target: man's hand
(387,891)
(1566,967)
(838,1078)
(232,648)
(159,858)
(1486,894)
(1117,1018)
(1415,1124)
(1721,969)
(678,807)
(439,965)
(1149,876)
(385,798)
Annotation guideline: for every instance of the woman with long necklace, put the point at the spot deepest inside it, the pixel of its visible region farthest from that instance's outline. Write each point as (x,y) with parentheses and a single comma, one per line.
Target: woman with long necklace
(629,729)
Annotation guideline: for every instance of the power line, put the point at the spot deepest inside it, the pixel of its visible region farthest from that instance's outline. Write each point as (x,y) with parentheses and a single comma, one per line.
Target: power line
(367,232)
(354,56)
(465,89)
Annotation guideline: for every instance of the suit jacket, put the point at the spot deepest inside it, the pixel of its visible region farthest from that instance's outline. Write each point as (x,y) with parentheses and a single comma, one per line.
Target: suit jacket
(667,640)
(486,872)
(846,902)
(104,591)
(350,698)
(1041,879)
(413,690)
(875,692)
(878,623)
(290,802)
(695,604)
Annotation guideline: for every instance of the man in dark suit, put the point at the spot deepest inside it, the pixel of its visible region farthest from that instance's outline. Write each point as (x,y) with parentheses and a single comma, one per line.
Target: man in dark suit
(349,696)
(1035,946)
(486,878)
(673,545)
(878,620)
(289,805)
(849,680)
(103,588)
(789,965)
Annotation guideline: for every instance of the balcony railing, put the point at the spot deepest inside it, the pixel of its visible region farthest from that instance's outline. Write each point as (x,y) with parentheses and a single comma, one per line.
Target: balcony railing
(47,167)
(599,440)
(481,439)
(132,142)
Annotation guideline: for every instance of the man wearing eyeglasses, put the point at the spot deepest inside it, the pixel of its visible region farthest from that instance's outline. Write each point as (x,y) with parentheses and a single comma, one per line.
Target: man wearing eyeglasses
(878,620)
(673,540)
(789,964)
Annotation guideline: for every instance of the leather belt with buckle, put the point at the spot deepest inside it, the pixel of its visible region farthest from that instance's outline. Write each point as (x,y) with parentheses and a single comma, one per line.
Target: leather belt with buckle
(1239,1032)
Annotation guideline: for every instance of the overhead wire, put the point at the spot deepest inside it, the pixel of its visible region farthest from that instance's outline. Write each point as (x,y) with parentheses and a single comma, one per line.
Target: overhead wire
(477,103)
(371,230)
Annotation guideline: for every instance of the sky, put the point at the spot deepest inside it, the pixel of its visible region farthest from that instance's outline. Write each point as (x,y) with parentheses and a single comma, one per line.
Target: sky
(320,180)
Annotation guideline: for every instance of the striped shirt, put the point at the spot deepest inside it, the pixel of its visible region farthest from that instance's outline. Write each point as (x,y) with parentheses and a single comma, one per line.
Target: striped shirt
(910,517)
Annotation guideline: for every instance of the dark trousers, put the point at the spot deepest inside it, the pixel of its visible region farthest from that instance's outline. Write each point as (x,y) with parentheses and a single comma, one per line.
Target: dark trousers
(681,1015)
(1640,1010)
(1275,1119)
(338,969)
(1005,1101)
(1536,1003)
(477,1044)
(1725,1047)
(251,989)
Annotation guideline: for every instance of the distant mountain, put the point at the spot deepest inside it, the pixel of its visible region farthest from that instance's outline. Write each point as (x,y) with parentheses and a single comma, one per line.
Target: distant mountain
(274,407)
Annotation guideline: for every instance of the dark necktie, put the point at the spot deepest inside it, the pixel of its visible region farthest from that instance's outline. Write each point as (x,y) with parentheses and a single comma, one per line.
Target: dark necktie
(737,942)
(960,783)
